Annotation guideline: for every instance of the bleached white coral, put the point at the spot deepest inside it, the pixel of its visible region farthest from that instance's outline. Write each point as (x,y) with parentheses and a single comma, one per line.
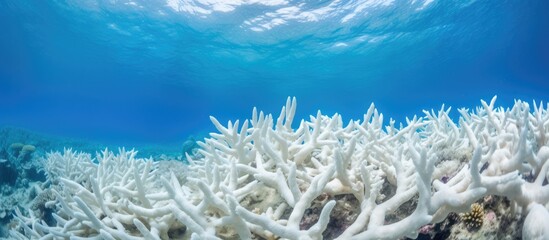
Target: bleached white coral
(536,225)
(261,177)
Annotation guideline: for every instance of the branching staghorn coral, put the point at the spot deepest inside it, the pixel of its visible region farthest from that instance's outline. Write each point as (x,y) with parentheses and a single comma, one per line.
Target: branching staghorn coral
(261,177)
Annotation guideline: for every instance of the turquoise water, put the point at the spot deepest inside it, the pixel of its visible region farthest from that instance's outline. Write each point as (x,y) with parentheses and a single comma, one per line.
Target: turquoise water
(153,71)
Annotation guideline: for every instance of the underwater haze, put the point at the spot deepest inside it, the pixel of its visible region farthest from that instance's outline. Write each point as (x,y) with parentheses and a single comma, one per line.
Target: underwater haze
(141,71)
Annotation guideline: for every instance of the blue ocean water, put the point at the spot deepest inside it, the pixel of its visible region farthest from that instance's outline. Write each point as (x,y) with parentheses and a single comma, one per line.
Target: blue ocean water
(130,71)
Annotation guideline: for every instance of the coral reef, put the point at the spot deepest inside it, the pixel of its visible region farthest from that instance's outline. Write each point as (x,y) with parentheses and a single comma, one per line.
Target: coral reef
(20,177)
(21,169)
(262,179)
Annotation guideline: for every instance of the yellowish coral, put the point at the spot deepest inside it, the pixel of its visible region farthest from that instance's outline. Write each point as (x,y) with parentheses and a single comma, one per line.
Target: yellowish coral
(28,149)
(474,218)
(21,150)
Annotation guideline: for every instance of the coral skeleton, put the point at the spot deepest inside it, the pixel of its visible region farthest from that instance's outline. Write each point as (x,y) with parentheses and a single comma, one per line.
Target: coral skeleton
(263,179)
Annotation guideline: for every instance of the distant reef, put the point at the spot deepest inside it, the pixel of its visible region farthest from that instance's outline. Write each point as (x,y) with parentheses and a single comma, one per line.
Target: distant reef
(22,157)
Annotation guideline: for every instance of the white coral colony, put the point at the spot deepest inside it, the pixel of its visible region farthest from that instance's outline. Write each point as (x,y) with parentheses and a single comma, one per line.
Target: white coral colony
(324,179)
